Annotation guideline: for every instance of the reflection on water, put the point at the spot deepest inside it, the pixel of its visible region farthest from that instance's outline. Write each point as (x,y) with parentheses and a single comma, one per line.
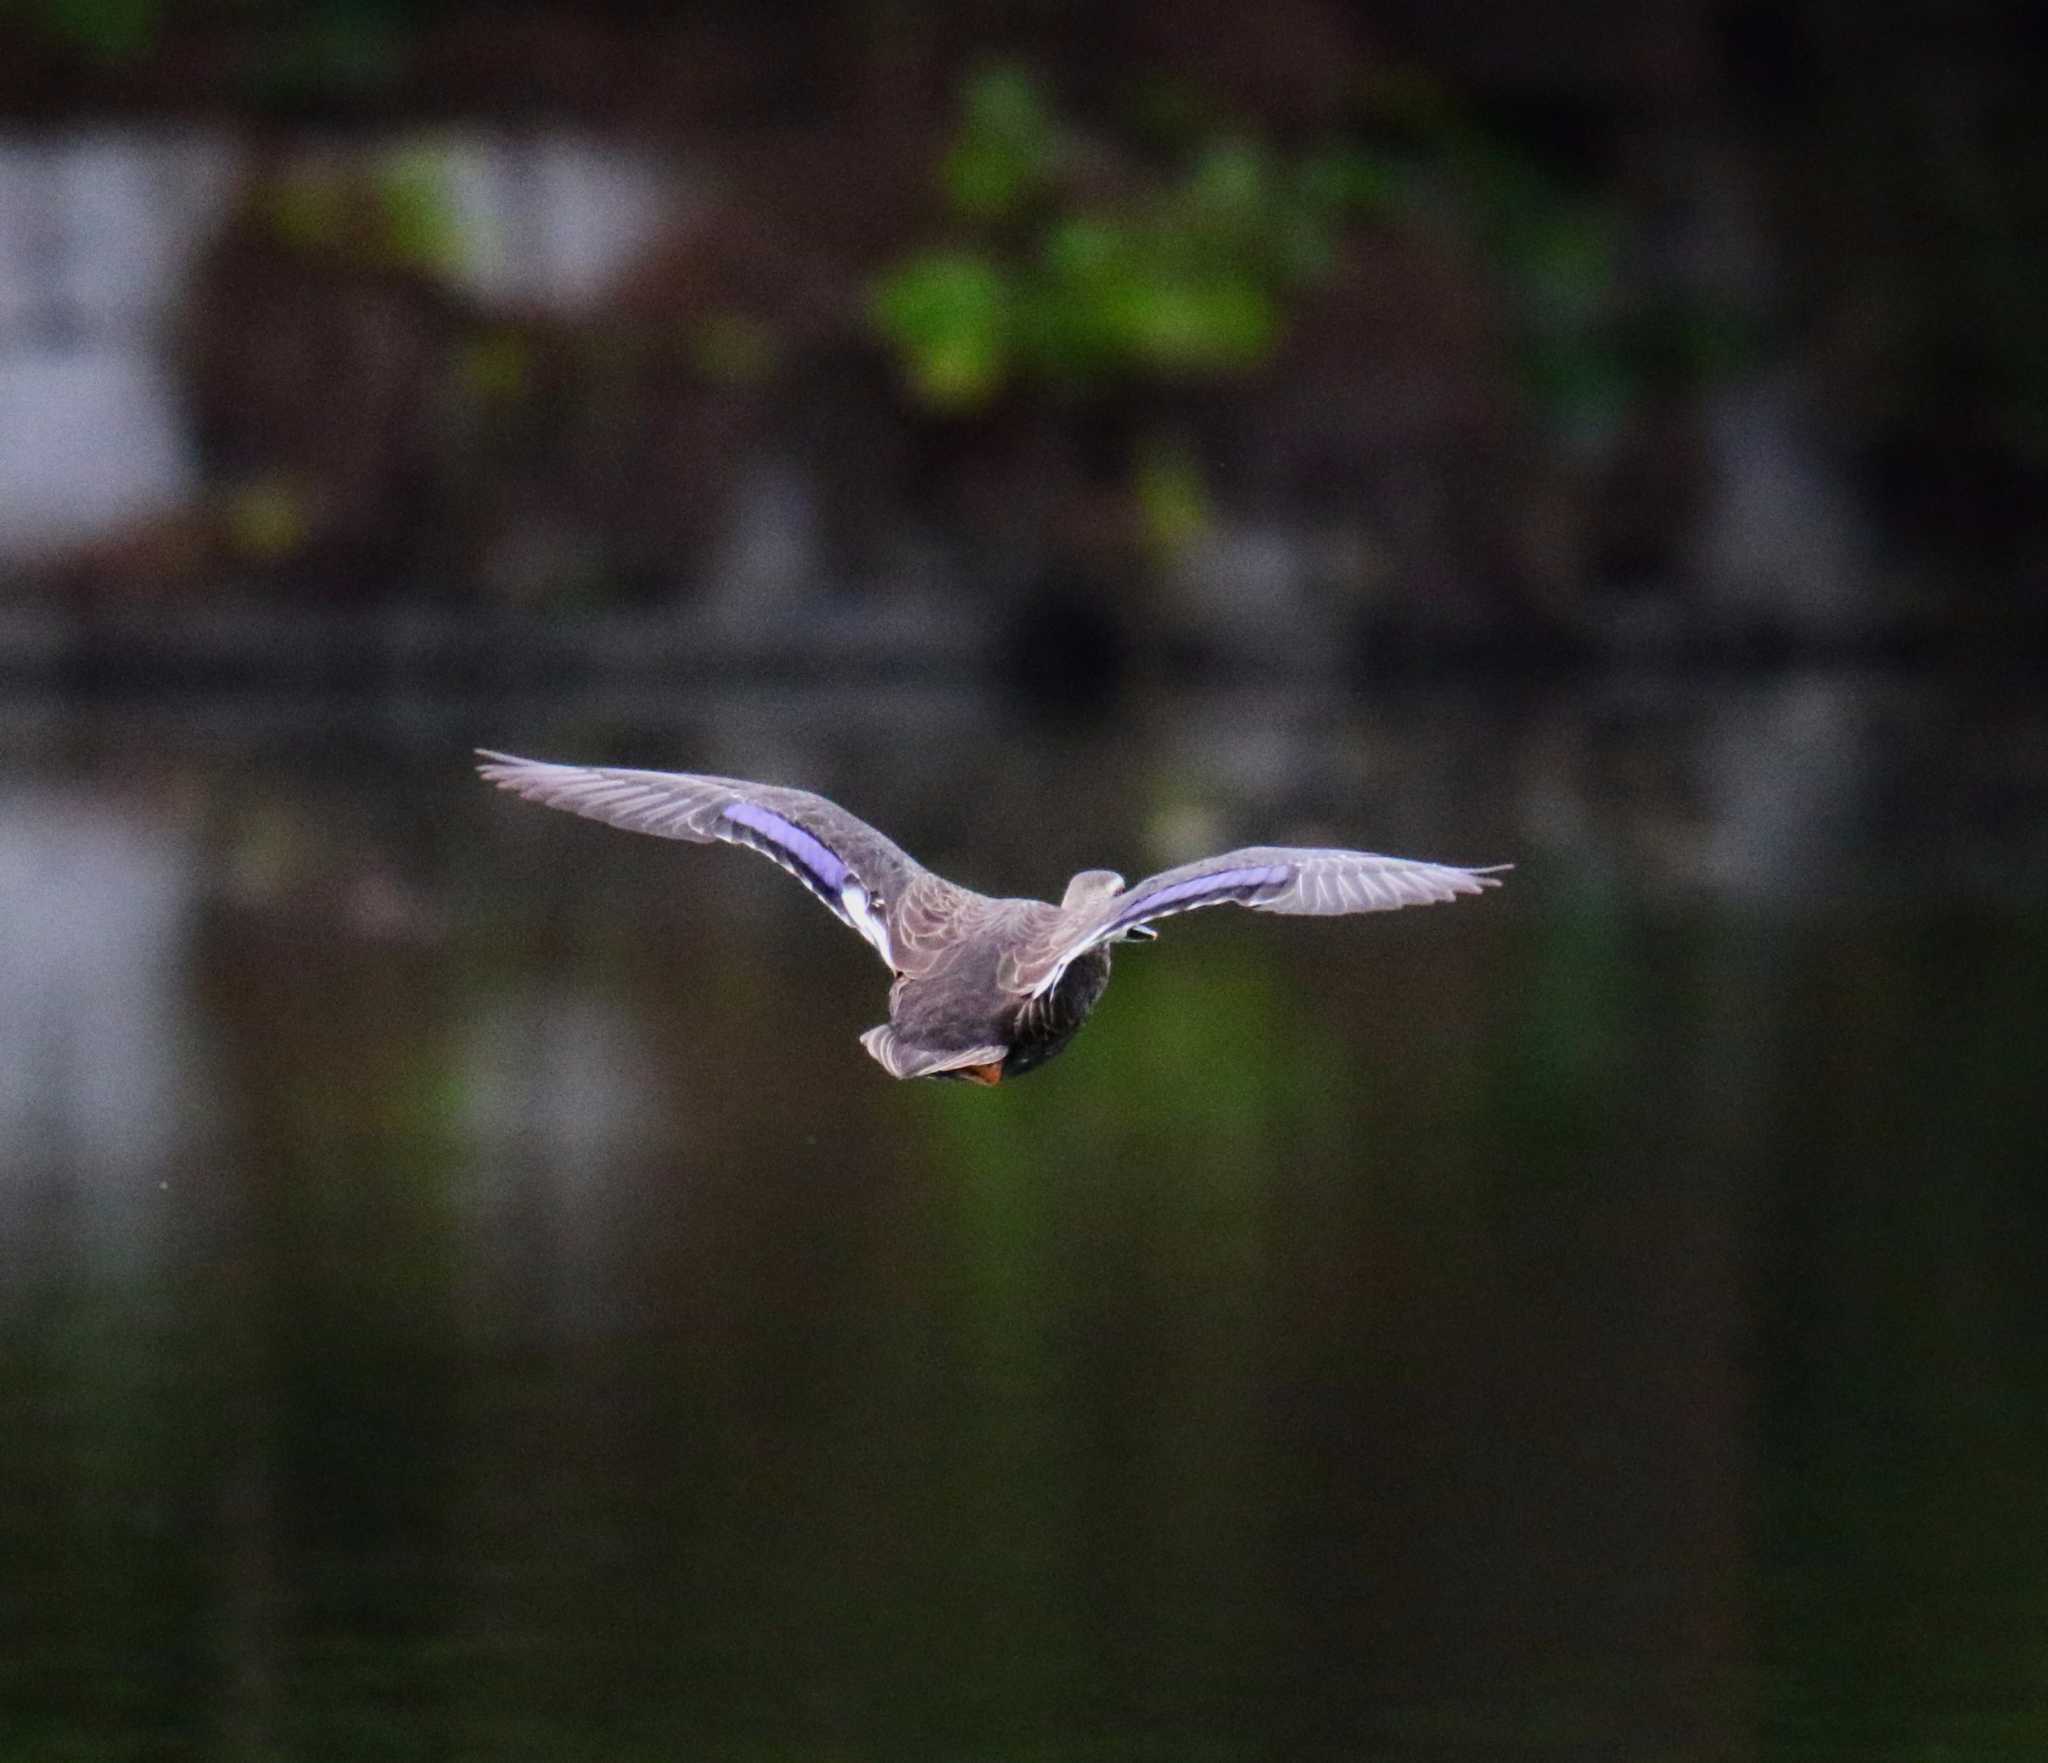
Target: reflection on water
(464,1292)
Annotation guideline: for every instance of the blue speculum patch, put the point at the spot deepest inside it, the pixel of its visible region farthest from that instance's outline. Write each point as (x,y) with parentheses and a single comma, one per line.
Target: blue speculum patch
(1224,884)
(815,861)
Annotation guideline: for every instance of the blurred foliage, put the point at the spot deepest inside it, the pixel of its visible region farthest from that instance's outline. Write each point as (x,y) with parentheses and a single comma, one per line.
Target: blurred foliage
(1068,265)
(1222,260)
(314,48)
(498,365)
(1006,147)
(266,520)
(1057,272)
(389,212)
(108,30)
(1561,255)
(1173,501)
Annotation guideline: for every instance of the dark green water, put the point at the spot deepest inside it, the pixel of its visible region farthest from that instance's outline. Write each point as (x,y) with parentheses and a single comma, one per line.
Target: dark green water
(464,1294)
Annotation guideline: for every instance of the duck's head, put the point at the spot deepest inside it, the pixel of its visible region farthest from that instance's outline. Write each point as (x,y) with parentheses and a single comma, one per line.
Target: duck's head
(1090,888)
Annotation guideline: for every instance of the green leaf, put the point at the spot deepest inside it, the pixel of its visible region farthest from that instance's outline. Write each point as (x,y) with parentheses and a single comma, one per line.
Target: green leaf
(418,228)
(1004,152)
(1346,181)
(1201,323)
(1232,184)
(948,315)
(1172,499)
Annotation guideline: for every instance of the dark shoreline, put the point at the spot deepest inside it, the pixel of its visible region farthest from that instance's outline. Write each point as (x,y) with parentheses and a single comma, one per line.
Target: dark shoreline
(955,639)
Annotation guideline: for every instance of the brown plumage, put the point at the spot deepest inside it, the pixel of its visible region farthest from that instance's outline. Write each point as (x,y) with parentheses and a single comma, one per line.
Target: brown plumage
(984,988)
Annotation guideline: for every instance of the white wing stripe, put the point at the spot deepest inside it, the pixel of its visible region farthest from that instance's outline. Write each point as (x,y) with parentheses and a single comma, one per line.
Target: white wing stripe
(853,903)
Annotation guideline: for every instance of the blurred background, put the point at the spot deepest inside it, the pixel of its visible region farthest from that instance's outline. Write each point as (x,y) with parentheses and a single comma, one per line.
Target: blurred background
(463,1291)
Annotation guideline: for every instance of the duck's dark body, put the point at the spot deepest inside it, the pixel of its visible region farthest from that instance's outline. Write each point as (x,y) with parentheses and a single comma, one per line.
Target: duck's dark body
(985,988)
(961,1005)
(1045,1025)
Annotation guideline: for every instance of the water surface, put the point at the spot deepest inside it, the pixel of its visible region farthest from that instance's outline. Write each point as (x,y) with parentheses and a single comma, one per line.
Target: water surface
(465,1294)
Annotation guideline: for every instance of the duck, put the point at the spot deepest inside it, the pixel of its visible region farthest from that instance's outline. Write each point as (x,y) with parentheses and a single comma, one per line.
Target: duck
(982,989)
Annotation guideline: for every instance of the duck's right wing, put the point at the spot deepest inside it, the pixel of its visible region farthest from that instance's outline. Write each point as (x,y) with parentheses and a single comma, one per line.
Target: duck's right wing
(866,881)
(1267,878)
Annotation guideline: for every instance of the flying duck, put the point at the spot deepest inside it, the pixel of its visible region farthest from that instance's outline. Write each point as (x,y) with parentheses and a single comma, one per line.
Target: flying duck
(984,989)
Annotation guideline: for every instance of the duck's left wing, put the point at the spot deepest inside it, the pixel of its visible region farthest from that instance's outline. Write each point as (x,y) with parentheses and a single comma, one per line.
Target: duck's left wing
(1267,878)
(866,880)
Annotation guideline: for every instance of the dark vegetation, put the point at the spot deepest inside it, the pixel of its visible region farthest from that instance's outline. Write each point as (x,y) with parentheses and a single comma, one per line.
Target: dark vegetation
(1483,310)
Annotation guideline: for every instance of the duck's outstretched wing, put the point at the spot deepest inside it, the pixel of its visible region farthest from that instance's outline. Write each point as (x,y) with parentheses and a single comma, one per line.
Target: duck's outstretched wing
(867,881)
(1267,878)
